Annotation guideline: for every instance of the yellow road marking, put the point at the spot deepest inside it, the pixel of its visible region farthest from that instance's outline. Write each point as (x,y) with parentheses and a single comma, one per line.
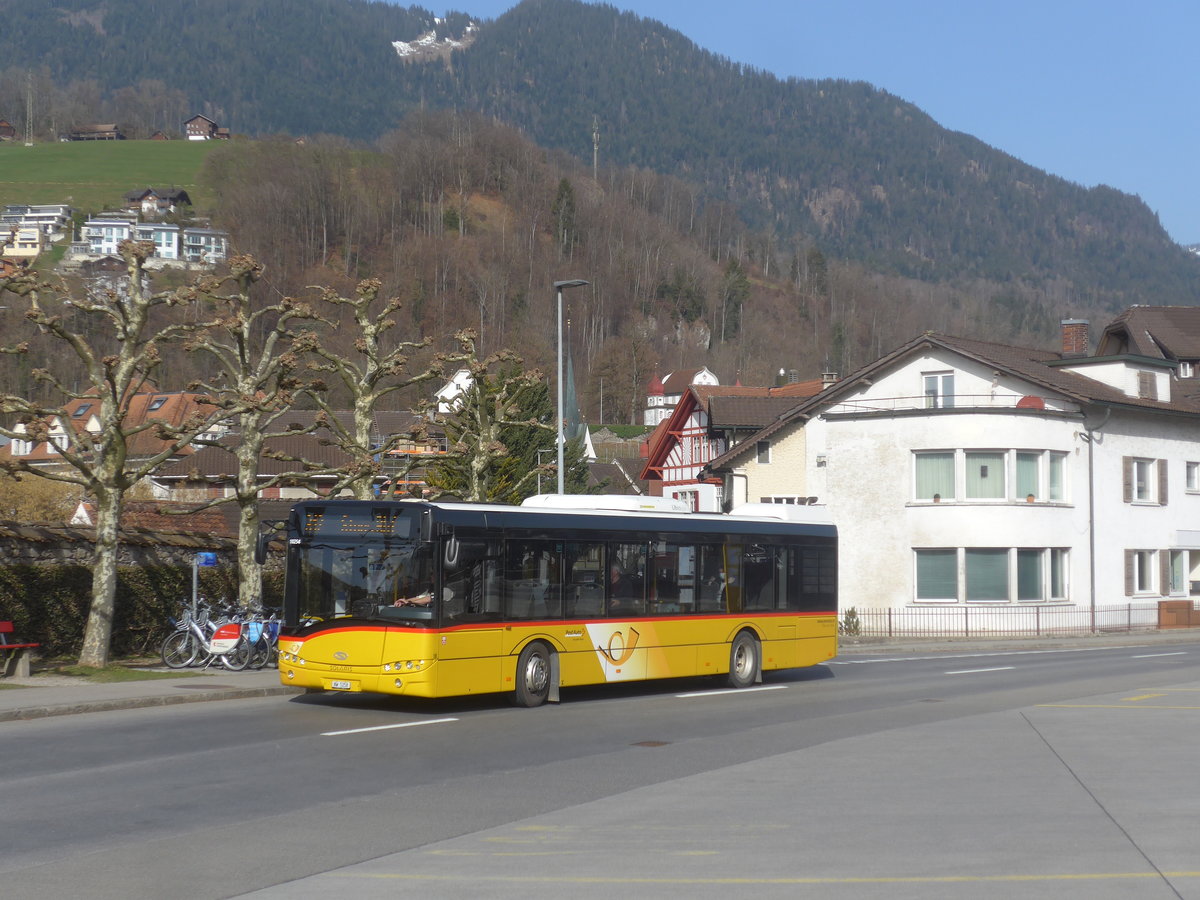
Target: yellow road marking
(1142,697)
(1107,706)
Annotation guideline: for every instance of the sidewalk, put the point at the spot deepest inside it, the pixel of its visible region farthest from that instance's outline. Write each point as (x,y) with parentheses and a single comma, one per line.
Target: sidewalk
(57,695)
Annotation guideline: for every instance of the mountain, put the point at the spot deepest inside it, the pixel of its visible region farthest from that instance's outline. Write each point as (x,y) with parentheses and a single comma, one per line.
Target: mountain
(839,165)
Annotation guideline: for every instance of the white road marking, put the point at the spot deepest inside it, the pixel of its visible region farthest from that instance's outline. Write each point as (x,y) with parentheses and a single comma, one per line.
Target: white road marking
(385,727)
(1152,655)
(765,687)
(973,671)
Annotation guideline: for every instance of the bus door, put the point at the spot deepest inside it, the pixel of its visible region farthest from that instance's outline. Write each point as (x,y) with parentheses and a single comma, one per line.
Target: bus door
(470,648)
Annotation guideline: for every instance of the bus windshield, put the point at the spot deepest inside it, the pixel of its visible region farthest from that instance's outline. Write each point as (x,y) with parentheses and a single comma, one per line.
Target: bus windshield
(390,580)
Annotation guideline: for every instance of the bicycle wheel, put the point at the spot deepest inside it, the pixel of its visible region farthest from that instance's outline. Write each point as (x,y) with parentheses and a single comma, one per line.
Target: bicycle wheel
(239,657)
(260,653)
(179,650)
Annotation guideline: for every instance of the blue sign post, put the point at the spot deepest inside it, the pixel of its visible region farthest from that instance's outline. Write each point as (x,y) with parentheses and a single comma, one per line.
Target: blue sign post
(200,559)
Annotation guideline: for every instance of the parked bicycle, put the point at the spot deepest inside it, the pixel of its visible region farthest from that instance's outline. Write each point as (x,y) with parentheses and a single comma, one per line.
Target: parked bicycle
(200,641)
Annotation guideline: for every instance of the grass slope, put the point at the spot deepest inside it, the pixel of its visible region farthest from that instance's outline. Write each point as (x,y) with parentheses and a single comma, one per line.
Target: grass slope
(94,175)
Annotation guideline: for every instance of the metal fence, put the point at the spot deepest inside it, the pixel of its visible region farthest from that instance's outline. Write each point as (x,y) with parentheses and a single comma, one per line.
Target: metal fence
(976,621)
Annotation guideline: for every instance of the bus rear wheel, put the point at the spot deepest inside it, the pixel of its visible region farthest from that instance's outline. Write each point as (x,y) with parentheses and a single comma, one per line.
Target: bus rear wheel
(743,660)
(533,676)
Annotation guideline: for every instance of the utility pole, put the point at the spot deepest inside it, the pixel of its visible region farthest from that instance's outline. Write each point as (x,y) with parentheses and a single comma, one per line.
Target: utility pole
(29,109)
(595,147)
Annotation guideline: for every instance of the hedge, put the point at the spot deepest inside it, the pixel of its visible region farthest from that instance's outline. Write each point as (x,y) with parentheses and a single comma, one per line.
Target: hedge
(48,604)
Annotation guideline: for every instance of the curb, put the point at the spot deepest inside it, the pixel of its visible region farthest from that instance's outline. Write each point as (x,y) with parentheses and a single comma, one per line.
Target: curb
(118,703)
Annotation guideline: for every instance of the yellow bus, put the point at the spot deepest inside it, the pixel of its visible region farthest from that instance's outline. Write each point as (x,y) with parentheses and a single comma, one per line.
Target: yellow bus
(426,599)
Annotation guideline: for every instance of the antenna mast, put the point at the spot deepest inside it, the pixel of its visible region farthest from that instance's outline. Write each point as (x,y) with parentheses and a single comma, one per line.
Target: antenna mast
(29,109)
(595,147)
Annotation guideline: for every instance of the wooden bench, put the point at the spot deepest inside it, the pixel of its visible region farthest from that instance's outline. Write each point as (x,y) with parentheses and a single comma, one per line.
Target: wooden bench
(14,658)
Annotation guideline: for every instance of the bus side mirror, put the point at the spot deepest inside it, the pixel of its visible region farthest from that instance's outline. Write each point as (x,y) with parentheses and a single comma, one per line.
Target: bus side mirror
(261,547)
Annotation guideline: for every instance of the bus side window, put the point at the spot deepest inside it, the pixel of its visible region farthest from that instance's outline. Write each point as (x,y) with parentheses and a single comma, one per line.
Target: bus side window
(758,573)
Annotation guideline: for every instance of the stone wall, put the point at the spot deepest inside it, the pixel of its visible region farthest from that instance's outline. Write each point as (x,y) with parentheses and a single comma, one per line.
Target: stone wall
(72,545)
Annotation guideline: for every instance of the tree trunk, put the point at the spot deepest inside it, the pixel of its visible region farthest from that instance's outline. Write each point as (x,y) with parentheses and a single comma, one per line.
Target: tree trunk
(98,633)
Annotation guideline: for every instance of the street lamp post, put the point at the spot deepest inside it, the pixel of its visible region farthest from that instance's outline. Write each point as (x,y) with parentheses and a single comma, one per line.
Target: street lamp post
(558,287)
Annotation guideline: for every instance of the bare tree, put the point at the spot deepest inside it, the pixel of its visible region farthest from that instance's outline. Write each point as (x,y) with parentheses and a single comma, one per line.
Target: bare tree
(378,369)
(257,357)
(101,461)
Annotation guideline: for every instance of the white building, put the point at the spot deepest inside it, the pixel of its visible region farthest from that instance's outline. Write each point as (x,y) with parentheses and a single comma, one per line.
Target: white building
(963,473)
(662,396)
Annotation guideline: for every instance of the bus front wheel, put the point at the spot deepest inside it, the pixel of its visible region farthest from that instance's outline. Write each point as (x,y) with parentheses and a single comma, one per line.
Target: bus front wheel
(743,660)
(533,676)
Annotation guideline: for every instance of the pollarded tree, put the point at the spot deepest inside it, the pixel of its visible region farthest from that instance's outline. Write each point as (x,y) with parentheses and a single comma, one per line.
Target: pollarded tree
(257,357)
(378,369)
(118,350)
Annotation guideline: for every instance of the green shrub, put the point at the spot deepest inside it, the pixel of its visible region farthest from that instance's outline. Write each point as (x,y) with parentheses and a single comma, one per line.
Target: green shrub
(48,604)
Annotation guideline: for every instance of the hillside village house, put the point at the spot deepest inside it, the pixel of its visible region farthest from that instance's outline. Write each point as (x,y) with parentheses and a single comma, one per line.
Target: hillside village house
(155,202)
(79,416)
(661,396)
(967,474)
(102,236)
(21,244)
(202,128)
(51,219)
(706,422)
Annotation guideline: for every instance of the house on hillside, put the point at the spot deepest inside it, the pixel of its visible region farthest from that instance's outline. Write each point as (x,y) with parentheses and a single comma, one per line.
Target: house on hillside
(212,470)
(173,244)
(78,424)
(96,132)
(155,202)
(22,243)
(7,131)
(51,218)
(705,422)
(202,128)
(661,396)
(964,474)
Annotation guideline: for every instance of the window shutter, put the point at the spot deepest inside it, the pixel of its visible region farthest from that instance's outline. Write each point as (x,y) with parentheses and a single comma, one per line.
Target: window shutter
(1164,572)
(1127,478)
(1162,482)
(1128,573)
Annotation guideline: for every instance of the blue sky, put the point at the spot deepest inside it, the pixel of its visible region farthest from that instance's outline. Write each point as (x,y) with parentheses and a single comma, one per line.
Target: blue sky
(1095,92)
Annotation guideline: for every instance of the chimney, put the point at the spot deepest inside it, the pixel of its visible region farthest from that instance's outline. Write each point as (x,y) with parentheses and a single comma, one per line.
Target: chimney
(1074,337)
(781,378)
(828,379)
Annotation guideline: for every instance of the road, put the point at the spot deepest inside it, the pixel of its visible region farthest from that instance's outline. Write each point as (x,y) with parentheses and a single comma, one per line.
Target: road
(280,796)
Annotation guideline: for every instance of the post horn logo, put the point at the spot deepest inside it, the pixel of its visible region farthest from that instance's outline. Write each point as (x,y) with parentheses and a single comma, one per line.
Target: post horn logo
(618,651)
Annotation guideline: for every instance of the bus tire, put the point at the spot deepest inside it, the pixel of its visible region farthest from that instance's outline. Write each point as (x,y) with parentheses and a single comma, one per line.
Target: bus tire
(532,683)
(743,660)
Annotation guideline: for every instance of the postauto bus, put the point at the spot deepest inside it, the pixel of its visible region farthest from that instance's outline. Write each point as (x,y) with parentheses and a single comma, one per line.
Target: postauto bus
(427,599)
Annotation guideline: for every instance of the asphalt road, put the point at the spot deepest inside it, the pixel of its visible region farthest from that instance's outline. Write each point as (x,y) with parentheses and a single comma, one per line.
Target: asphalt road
(1053,773)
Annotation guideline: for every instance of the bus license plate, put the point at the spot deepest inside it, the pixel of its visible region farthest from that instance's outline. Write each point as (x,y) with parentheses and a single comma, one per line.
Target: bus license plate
(339,685)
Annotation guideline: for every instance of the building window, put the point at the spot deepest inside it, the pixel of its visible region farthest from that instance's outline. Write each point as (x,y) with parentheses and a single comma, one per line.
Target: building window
(1187,370)
(1139,571)
(987,575)
(157,403)
(937,575)
(985,475)
(991,575)
(763,448)
(1144,480)
(1179,585)
(1056,464)
(939,390)
(1193,476)
(934,476)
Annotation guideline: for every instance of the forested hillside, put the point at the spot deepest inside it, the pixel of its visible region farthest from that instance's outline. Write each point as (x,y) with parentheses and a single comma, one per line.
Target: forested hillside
(790,184)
